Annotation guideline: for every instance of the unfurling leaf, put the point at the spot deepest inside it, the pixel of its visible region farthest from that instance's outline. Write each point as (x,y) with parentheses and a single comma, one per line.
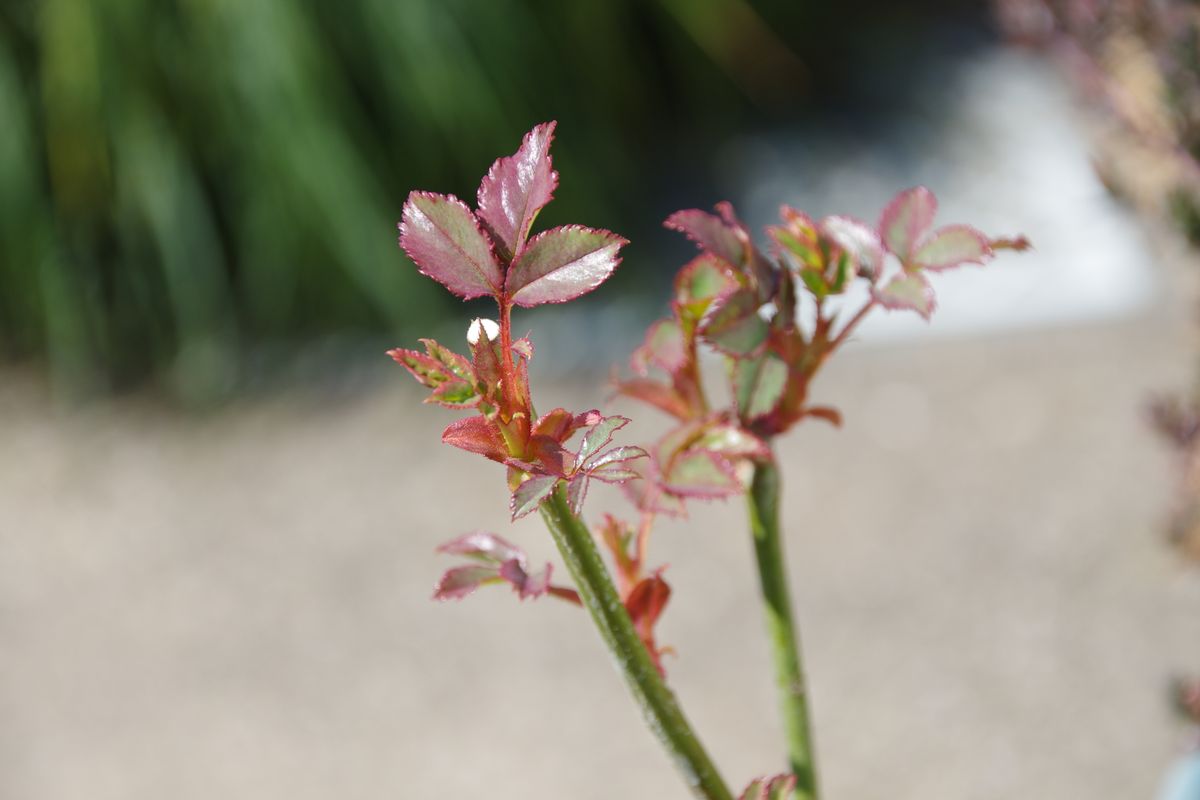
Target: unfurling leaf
(443,237)
(951,246)
(477,435)
(906,220)
(561,264)
(527,585)
(830,415)
(907,291)
(778,787)
(733,324)
(516,188)
(531,494)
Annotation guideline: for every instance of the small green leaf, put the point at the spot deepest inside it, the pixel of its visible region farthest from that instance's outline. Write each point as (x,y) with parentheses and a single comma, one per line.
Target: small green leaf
(758,385)
(733,325)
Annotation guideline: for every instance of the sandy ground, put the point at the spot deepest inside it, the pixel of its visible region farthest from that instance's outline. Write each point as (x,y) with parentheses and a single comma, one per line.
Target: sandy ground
(238,607)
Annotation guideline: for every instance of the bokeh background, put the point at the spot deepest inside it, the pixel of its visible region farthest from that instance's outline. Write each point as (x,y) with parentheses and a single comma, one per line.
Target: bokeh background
(219,500)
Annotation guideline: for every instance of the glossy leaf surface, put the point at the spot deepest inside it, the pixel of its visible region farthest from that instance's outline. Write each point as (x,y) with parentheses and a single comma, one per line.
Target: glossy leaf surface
(563,263)
(443,237)
(516,188)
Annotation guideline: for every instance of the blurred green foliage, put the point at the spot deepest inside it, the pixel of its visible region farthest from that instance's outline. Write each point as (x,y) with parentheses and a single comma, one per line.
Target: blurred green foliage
(182,182)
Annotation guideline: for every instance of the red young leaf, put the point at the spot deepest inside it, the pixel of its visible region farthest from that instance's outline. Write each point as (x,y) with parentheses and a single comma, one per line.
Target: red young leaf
(443,237)
(906,220)
(645,604)
(907,291)
(531,494)
(561,264)
(711,233)
(477,435)
(482,546)
(951,246)
(458,582)
(516,188)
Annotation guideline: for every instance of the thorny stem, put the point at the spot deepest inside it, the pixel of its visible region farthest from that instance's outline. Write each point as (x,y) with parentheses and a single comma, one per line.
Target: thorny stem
(658,704)
(789,671)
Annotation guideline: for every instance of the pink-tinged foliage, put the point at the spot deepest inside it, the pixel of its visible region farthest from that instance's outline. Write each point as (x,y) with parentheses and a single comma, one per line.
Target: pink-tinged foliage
(952,246)
(778,787)
(477,435)
(531,494)
(661,396)
(516,188)
(858,240)
(711,233)
(443,237)
(597,437)
(496,561)
(906,219)
(482,546)
(700,474)
(561,264)
(907,291)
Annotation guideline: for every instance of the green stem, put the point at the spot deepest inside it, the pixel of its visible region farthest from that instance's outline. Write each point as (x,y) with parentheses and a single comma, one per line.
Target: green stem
(657,702)
(789,671)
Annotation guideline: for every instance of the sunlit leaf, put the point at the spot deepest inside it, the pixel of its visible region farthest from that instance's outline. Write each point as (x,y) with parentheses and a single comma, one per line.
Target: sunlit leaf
(907,291)
(563,263)
(577,488)
(531,494)
(614,456)
(951,246)
(443,237)
(906,219)
(516,188)
(598,436)
(731,441)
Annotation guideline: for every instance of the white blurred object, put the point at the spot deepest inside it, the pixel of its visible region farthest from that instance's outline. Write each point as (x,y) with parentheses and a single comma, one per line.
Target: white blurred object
(1183,782)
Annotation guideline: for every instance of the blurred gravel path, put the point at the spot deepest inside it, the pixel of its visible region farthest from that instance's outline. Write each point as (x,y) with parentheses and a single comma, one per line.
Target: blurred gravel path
(237,607)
